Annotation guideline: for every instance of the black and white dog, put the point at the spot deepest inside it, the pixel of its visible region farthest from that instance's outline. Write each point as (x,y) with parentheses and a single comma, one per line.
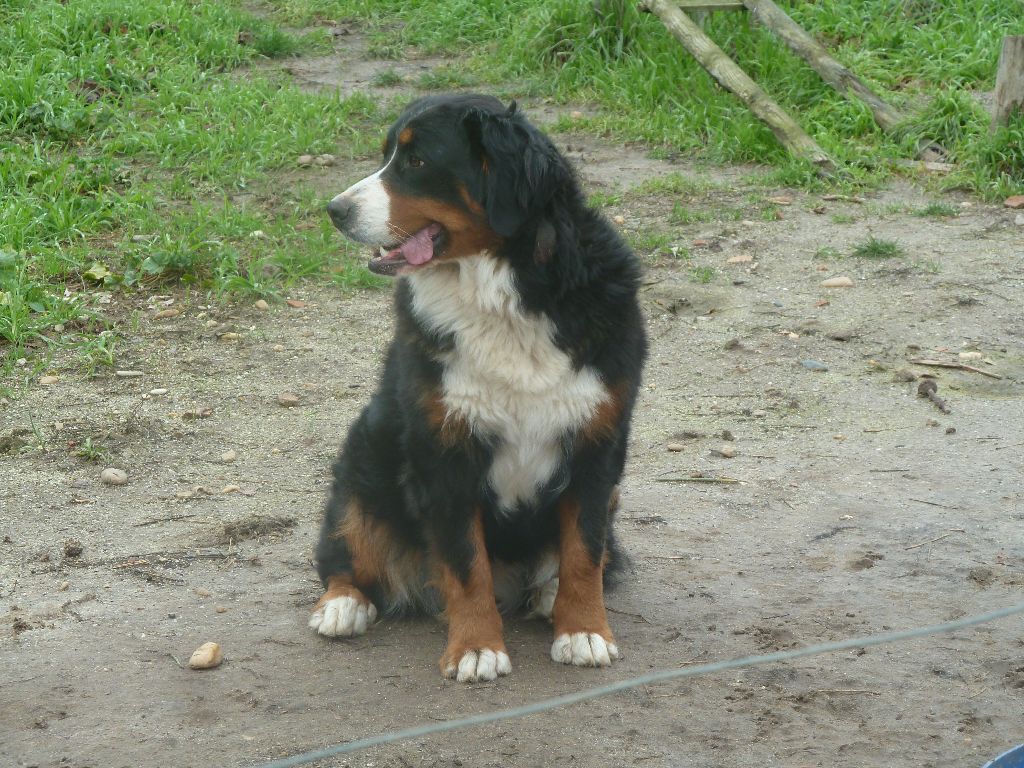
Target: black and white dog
(484,472)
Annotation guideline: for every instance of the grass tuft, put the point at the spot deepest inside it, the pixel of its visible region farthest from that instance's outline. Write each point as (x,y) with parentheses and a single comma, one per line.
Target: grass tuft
(873,248)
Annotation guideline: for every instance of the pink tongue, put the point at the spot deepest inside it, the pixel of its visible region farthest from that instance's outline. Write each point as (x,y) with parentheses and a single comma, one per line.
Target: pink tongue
(419,249)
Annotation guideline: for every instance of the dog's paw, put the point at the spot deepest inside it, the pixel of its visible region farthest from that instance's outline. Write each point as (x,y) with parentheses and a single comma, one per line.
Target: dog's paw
(344,616)
(477,665)
(584,649)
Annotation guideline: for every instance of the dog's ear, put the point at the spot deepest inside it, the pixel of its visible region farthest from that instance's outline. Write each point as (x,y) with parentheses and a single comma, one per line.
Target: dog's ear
(518,171)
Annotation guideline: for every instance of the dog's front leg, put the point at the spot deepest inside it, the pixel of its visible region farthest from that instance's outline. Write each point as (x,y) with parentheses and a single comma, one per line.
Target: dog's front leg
(476,647)
(582,634)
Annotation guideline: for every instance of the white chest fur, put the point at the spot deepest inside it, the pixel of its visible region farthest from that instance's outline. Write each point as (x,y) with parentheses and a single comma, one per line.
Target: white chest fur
(505,375)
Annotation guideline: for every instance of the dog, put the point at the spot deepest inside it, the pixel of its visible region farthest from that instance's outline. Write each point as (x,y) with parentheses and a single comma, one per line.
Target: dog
(484,472)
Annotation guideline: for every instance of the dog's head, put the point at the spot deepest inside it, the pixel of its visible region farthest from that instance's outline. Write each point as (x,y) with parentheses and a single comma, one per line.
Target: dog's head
(461,174)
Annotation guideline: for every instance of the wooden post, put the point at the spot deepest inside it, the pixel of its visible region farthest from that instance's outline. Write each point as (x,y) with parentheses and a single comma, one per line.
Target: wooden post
(831,71)
(1009,94)
(734,79)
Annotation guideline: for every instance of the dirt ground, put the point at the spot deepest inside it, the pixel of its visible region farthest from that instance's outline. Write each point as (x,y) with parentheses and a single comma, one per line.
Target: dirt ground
(855,512)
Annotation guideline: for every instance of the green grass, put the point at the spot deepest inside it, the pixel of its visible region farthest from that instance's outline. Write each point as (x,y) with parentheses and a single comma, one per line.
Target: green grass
(938,210)
(703,275)
(124,143)
(873,248)
(926,55)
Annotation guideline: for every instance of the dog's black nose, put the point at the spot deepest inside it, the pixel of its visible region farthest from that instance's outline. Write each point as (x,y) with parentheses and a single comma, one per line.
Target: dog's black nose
(339,209)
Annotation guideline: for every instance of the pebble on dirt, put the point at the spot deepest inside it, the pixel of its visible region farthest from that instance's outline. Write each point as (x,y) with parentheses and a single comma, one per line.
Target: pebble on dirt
(128,374)
(72,548)
(261,305)
(288,400)
(1014,201)
(206,656)
(726,451)
(114,476)
(837,282)
(814,365)
(674,447)
(166,314)
(305,161)
(47,381)
(228,456)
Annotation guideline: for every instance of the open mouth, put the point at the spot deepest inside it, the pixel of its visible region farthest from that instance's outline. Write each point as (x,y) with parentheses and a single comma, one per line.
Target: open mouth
(418,249)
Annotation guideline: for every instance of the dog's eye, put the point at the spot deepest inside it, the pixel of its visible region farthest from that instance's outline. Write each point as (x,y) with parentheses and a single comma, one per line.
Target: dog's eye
(414,161)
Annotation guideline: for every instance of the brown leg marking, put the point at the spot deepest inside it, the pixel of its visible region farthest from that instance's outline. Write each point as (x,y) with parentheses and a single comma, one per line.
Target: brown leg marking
(582,634)
(343,610)
(476,648)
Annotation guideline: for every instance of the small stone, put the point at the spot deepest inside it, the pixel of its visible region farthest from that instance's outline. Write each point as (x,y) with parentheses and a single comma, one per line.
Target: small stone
(166,314)
(1019,219)
(970,355)
(837,282)
(229,336)
(950,430)
(814,365)
(726,451)
(230,489)
(759,414)
(228,456)
(113,476)
(128,374)
(59,328)
(1014,201)
(288,400)
(295,303)
(158,391)
(305,161)
(72,548)
(48,381)
(64,586)
(206,656)
(261,305)
(220,609)
(576,115)
(140,238)
(740,258)
(782,200)
(324,160)
(278,347)
(21,361)
(904,374)
(732,343)
(841,334)
(258,234)
(620,220)
(202,592)
(674,447)
(932,422)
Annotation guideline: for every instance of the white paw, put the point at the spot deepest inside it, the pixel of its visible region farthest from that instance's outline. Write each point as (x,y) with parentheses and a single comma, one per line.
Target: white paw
(478,666)
(343,617)
(584,649)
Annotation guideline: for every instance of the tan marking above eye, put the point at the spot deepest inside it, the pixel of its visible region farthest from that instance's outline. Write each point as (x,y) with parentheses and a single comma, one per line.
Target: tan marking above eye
(405,136)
